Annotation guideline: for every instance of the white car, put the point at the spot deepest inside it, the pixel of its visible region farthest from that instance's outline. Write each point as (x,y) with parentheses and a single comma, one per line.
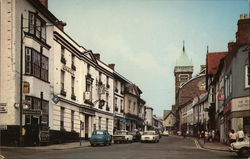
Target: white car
(165,133)
(122,136)
(242,148)
(150,136)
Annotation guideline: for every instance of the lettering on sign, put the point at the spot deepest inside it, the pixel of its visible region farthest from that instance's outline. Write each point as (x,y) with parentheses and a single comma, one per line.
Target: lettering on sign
(3,108)
(44,136)
(32,112)
(68,70)
(241,104)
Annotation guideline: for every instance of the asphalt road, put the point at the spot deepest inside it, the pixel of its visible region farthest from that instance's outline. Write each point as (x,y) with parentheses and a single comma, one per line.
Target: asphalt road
(167,148)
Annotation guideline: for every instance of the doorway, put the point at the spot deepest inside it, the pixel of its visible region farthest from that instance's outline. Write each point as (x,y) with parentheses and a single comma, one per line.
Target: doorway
(86,127)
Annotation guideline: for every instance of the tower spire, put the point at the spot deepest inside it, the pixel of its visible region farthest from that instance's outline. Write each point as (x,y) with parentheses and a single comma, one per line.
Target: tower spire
(183,48)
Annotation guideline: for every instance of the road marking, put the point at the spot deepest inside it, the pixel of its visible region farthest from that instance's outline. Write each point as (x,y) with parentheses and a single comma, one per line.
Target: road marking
(2,157)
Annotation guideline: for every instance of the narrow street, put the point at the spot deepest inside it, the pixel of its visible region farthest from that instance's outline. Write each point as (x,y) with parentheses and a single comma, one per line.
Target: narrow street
(168,148)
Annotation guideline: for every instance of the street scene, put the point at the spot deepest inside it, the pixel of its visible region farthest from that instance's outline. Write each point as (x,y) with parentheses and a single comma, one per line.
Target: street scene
(144,79)
(168,147)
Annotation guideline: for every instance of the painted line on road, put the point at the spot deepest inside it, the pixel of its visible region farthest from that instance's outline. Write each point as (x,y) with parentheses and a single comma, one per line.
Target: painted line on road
(197,144)
(2,157)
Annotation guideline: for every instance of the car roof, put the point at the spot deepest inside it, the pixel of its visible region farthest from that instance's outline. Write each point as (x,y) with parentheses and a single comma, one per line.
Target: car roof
(101,130)
(150,131)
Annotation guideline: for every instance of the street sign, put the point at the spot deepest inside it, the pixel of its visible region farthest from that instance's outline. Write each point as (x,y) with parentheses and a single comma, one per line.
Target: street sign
(32,112)
(3,127)
(55,99)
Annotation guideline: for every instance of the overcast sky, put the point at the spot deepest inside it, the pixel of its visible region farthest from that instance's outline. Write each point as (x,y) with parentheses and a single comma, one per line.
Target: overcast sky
(144,37)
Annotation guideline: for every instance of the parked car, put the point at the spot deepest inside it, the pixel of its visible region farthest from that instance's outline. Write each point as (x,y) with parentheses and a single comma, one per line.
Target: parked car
(100,137)
(150,136)
(136,135)
(122,136)
(165,133)
(242,148)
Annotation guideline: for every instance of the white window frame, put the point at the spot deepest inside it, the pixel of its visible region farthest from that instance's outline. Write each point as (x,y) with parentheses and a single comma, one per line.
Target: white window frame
(247,85)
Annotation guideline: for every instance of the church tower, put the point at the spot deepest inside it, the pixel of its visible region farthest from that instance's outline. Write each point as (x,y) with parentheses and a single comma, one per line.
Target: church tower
(183,69)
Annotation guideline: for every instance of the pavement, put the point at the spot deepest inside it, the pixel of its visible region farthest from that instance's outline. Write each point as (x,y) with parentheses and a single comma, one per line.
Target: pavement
(71,145)
(217,146)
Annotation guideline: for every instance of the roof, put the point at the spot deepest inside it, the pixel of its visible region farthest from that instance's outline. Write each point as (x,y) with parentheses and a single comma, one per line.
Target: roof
(213,61)
(183,60)
(165,113)
(171,112)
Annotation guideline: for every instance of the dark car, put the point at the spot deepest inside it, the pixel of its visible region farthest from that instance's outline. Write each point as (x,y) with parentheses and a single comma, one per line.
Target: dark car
(100,137)
(136,135)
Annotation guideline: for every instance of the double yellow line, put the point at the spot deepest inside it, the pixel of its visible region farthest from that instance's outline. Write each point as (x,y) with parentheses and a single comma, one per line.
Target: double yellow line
(197,144)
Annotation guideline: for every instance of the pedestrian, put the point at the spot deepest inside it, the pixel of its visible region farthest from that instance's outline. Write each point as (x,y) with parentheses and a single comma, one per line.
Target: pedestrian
(206,135)
(240,134)
(232,136)
(213,135)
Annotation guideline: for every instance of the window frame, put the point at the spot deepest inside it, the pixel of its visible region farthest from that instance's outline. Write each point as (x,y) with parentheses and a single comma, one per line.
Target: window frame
(35,64)
(247,76)
(33,31)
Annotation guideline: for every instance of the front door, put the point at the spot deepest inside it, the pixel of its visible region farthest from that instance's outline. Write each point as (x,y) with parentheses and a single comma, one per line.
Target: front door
(86,126)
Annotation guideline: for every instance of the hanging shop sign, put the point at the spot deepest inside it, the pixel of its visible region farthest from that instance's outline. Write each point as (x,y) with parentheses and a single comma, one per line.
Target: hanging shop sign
(26,87)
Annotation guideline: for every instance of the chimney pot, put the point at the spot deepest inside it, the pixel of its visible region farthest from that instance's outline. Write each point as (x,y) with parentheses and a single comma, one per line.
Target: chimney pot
(61,25)
(97,56)
(112,66)
(44,3)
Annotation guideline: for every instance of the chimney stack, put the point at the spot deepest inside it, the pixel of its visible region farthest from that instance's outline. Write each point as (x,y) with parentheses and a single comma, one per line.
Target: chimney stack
(112,66)
(231,47)
(61,25)
(97,56)
(44,3)
(243,33)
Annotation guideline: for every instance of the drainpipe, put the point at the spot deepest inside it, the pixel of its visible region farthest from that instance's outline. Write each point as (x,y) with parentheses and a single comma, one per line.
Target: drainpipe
(21,85)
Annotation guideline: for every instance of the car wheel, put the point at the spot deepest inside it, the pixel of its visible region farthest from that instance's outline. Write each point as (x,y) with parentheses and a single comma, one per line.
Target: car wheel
(244,152)
(92,144)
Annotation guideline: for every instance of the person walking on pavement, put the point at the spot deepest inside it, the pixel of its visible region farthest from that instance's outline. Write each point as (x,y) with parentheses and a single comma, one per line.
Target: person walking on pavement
(240,134)
(232,136)
(213,135)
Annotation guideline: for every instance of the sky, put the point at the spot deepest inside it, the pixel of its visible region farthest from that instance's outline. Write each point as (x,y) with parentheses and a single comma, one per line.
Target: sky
(144,38)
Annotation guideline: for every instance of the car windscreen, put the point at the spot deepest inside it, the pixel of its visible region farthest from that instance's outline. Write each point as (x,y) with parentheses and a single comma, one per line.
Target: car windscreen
(98,133)
(148,133)
(121,133)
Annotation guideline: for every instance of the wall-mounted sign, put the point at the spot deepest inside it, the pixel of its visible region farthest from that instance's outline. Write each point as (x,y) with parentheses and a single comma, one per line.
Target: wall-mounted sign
(65,68)
(239,104)
(3,108)
(26,87)
(44,136)
(32,112)
(55,99)
(3,127)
